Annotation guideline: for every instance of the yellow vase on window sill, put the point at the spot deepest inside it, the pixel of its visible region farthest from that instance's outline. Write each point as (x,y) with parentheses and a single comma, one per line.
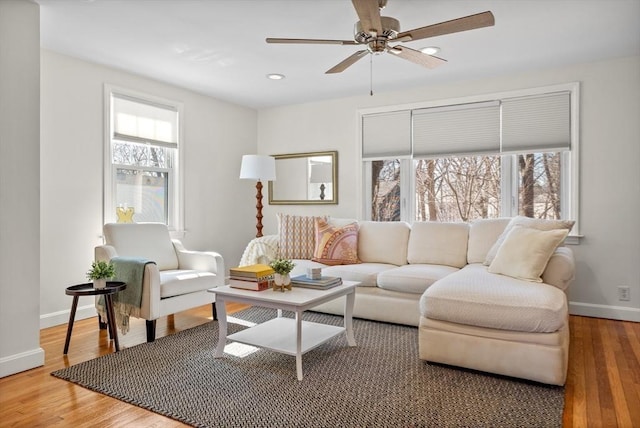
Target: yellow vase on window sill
(125,214)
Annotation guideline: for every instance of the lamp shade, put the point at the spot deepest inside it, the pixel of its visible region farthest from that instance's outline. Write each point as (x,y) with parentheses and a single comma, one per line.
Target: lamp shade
(321,173)
(258,167)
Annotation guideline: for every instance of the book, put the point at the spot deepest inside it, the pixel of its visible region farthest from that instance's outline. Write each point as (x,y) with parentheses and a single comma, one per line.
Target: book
(250,285)
(323,283)
(251,271)
(249,278)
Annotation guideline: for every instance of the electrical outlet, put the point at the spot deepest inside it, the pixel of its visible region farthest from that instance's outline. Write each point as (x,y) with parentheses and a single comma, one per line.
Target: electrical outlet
(624,293)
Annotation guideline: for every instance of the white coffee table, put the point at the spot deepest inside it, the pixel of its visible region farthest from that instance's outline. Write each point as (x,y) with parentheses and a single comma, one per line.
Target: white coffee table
(286,335)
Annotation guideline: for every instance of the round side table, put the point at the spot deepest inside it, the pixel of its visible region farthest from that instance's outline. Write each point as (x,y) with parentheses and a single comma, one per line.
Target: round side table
(87,290)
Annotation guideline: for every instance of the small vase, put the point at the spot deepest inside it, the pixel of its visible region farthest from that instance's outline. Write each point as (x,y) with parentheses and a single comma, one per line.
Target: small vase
(281,282)
(100,283)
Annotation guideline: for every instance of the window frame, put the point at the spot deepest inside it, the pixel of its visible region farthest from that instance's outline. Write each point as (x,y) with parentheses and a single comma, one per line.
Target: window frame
(175,202)
(570,180)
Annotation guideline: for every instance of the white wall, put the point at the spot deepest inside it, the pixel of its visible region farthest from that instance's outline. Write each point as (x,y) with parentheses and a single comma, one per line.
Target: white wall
(19,187)
(609,253)
(219,208)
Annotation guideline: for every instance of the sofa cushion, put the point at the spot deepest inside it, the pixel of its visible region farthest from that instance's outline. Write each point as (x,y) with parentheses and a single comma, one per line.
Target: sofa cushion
(147,240)
(438,243)
(414,278)
(383,242)
(483,233)
(525,252)
(534,223)
(473,296)
(365,273)
(335,245)
(297,236)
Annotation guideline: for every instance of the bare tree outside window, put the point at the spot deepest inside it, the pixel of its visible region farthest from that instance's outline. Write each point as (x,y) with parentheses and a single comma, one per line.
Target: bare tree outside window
(385,196)
(539,185)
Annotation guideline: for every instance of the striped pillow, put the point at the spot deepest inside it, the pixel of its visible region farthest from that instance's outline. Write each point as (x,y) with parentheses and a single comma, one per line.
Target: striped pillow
(297,237)
(336,245)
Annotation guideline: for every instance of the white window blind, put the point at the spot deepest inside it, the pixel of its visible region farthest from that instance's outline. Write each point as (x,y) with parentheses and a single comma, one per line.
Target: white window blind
(386,135)
(457,129)
(140,121)
(537,123)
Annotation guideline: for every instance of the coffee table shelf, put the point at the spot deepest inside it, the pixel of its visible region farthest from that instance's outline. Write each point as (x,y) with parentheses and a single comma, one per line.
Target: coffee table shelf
(279,334)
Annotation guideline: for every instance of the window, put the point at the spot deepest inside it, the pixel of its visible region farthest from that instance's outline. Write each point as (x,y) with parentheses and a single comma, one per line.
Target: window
(142,156)
(515,154)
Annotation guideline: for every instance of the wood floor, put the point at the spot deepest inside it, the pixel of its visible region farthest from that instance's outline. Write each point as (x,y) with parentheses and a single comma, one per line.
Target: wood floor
(602,390)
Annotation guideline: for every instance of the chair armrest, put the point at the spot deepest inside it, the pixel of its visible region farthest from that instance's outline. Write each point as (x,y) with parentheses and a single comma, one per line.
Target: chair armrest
(560,269)
(208,261)
(104,253)
(261,250)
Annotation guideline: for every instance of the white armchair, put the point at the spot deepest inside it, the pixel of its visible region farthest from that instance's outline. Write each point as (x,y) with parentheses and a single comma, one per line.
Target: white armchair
(177,281)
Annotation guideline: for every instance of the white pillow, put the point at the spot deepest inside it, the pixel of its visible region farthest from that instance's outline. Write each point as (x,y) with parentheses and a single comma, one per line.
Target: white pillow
(532,223)
(525,252)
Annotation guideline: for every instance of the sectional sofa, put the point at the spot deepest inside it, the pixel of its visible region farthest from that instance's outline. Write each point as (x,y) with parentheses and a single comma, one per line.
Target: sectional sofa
(487,295)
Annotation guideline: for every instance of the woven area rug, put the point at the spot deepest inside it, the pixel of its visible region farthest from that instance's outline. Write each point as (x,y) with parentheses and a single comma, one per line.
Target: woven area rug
(379,383)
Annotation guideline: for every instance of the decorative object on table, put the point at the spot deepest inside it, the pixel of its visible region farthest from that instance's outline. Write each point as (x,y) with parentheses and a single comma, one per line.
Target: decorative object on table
(322,283)
(257,277)
(322,174)
(125,214)
(100,272)
(314,273)
(260,168)
(281,278)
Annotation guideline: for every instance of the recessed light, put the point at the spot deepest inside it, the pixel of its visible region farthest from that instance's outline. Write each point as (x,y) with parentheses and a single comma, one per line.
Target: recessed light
(275,76)
(430,50)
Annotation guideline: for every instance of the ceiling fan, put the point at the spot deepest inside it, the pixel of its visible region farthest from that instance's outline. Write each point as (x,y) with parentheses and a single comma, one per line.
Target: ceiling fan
(378,33)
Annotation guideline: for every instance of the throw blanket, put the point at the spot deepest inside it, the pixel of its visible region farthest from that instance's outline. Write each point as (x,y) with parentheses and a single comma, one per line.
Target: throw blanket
(127,302)
(260,250)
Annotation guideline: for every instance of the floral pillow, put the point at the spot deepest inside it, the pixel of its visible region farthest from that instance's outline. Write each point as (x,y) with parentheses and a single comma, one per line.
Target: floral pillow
(336,245)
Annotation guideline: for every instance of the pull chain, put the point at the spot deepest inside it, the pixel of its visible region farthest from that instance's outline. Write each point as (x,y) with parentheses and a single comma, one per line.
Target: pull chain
(371,74)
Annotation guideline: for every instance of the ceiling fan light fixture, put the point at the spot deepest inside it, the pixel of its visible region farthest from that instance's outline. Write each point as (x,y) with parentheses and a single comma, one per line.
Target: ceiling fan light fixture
(430,50)
(275,76)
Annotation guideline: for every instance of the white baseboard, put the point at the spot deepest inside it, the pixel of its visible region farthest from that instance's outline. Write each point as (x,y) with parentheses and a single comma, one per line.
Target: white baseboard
(20,362)
(62,317)
(622,313)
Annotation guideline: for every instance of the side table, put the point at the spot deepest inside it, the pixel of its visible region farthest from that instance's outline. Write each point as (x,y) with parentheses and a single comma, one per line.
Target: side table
(87,290)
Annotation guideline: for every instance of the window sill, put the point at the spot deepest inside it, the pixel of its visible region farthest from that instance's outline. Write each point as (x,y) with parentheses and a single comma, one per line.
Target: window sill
(573,239)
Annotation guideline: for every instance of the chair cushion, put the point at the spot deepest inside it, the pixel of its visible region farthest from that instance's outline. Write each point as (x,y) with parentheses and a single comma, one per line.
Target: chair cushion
(437,243)
(483,233)
(146,240)
(383,242)
(473,296)
(414,278)
(179,282)
(525,252)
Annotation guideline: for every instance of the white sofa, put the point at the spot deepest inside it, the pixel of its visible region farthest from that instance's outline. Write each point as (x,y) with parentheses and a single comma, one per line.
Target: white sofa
(431,275)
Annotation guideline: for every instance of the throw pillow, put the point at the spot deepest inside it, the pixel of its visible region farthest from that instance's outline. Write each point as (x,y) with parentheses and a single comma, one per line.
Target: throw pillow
(336,245)
(532,223)
(296,236)
(525,252)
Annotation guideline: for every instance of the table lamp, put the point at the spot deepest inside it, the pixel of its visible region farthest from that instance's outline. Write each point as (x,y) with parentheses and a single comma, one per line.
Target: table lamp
(321,173)
(260,168)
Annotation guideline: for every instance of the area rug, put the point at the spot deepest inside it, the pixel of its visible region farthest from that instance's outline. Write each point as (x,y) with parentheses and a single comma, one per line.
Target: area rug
(379,383)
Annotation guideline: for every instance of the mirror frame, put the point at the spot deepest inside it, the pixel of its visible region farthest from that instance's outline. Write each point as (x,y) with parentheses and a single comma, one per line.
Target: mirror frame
(334,162)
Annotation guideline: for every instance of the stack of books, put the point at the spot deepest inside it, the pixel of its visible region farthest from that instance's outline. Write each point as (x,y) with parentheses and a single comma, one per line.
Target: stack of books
(253,277)
(322,283)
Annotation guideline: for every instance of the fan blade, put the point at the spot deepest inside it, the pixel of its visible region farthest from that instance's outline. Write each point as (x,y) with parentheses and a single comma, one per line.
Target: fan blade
(471,22)
(312,41)
(369,15)
(342,66)
(417,57)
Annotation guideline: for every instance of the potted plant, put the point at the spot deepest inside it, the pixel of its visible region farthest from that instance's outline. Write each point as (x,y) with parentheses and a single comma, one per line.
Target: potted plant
(282,268)
(100,272)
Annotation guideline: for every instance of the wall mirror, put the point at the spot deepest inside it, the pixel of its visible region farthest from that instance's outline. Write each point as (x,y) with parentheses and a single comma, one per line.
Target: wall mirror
(305,179)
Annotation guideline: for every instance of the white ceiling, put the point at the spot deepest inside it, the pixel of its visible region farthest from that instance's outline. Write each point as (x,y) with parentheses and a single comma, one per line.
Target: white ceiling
(217,47)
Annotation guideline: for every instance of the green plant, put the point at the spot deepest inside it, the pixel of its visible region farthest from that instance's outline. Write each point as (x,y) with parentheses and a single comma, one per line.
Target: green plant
(101,270)
(282,266)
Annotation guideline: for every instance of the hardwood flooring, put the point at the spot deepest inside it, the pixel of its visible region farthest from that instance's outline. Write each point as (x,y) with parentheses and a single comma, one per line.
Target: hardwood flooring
(602,390)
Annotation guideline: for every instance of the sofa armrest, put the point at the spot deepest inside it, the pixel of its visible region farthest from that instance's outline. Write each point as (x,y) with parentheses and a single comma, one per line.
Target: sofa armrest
(104,253)
(560,269)
(208,261)
(261,250)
